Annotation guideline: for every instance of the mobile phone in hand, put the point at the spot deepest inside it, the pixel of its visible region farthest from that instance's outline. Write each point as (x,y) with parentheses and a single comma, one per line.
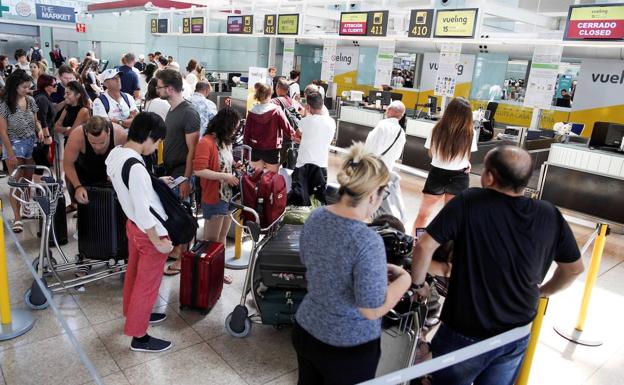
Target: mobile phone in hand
(177,181)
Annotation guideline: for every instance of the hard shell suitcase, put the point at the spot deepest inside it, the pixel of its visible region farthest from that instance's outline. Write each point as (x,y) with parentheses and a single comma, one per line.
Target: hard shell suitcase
(201,280)
(278,306)
(102,226)
(279,264)
(264,192)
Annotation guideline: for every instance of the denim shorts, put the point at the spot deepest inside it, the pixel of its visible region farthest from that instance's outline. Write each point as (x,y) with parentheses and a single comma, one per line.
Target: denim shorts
(22,147)
(219,208)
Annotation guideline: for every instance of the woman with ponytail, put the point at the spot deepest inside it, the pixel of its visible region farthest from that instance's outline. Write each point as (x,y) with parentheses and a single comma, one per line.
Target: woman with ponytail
(350,285)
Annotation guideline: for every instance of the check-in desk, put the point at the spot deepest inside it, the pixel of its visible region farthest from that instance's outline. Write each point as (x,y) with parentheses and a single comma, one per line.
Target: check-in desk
(586,181)
(415,154)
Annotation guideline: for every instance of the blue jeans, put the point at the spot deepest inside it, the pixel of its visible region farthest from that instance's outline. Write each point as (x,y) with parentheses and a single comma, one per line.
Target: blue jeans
(497,367)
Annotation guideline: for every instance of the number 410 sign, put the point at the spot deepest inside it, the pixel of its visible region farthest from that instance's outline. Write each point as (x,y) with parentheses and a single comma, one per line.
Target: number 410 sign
(421,23)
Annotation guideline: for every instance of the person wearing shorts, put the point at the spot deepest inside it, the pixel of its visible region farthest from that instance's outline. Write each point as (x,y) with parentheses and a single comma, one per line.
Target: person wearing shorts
(19,130)
(450,144)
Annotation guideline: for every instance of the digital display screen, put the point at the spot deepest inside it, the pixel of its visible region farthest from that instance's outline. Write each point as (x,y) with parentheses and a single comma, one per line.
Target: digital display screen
(456,22)
(240,24)
(288,24)
(353,23)
(596,22)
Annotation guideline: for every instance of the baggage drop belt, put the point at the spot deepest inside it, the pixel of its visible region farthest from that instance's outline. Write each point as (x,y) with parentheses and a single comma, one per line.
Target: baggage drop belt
(450,359)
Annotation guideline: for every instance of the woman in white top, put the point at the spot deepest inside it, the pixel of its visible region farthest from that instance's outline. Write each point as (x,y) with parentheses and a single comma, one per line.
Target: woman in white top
(450,144)
(153,103)
(146,76)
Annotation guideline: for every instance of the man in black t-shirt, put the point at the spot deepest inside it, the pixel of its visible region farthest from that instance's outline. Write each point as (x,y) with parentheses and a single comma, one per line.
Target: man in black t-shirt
(504,245)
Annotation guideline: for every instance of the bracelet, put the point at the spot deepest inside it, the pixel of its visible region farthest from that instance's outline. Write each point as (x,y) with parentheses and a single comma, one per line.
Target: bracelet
(417,286)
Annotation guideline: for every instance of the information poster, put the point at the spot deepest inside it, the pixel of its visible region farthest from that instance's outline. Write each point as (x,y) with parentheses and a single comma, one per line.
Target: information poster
(421,23)
(543,77)
(456,23)
(328,66)
(446,77)
(186,25)
(197,25)
(595,22)
(377,23)
(288,24)
(270,22)
(384,63)
(353,23)
(288,58)
(240,24)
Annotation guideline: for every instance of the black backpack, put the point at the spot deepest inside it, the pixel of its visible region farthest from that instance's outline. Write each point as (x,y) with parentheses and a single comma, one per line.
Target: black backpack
(180,223)
(292,115)
(36,55)
(106,104)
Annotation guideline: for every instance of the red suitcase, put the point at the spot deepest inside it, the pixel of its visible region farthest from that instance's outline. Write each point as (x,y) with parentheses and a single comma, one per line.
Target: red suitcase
(201,280)
(264,192)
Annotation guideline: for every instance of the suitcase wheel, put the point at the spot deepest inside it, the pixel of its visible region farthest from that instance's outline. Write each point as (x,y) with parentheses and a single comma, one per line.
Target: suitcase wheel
(239,334)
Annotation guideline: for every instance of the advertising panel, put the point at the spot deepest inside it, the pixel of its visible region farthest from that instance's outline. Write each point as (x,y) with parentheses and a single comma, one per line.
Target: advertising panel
(55,13)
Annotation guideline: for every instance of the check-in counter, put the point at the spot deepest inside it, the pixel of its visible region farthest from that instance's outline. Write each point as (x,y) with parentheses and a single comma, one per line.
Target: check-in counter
(415,154)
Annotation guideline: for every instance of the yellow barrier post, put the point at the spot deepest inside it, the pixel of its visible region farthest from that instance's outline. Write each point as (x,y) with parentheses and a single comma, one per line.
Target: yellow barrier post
(235,258)
(13,324)
(590,281)
(238,239)
(525,370)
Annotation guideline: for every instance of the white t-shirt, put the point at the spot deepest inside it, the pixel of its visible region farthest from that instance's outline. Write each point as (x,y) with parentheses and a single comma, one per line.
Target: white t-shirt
(136,205)
(317,133)
(158,106)
(455,164)
(294,89)
(382,136)
(118,110)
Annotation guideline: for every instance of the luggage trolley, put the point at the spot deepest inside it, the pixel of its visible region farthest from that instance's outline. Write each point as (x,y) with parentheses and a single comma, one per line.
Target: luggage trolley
(42,198)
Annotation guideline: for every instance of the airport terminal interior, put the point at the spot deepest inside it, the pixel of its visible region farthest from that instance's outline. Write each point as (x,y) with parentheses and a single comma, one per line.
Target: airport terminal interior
(328,192)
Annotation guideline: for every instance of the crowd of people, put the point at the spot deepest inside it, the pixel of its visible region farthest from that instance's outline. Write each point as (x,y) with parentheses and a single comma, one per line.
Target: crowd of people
(501,252)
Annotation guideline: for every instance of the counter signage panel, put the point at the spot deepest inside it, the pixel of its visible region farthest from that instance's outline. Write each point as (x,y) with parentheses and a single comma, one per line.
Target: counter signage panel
(353,23)
(421,23)
(288,24)
(377,23)
(197,25)
(154,26)
(163,26)
(240,24)
(186,25)
(269,24)
(456,23)
(595,22)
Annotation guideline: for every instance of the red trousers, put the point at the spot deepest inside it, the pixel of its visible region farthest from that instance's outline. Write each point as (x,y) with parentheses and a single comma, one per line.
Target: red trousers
(142,282)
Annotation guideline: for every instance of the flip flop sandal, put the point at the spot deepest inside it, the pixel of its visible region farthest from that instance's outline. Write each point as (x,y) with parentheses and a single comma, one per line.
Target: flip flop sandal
(227,279)
(17,227)
(171,271)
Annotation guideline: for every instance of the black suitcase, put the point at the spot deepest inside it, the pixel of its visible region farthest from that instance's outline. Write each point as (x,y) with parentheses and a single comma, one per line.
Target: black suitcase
(102,226)
(278,306)
(59,223)
(278,262)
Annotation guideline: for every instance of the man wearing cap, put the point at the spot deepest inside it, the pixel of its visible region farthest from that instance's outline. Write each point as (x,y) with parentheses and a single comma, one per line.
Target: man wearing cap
(114,104)
(140,65)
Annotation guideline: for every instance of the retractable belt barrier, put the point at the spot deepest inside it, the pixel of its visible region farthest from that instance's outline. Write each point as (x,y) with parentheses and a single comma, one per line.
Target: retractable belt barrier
(70,335)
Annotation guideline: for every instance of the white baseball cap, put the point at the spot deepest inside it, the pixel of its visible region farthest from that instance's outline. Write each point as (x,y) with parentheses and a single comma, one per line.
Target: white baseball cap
(109,74)
(141,57)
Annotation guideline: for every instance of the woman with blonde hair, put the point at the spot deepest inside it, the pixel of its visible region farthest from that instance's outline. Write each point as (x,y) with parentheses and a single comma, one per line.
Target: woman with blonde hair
(450,144)
(350,285)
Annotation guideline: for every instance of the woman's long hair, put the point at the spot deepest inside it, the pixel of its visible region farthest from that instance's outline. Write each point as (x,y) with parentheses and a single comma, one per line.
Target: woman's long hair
(224,125)
(452,136)
(149,72)
(9,92)
(87,65)
(152,92)
(83,100)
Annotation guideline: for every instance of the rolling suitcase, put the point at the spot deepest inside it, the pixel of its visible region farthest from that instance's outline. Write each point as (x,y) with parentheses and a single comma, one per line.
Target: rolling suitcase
(201,280)
(278,306)
(102,226)
(279,263)
(264,192)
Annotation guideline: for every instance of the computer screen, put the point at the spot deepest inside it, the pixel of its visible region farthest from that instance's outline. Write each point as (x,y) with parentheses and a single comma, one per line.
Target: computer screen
(606,134)
(577,128)
(384,96)
(433,104)
(396,96)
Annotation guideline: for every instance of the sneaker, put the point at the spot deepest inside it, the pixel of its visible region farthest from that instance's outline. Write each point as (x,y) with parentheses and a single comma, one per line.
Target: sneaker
(152,345)
(157,318)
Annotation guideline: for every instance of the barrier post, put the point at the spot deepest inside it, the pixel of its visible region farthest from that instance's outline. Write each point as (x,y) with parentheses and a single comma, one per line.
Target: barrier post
(525,369)
(590,281)
(13,324)
(238,240)
(235,259)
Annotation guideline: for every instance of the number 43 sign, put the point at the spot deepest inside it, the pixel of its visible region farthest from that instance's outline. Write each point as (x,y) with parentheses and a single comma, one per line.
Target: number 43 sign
(421,23)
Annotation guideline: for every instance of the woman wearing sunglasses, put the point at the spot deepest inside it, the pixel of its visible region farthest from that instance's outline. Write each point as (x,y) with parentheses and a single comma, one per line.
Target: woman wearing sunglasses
(350,285)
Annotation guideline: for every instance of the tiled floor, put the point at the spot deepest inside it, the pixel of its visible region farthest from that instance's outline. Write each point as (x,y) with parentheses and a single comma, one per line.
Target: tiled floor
(204,353)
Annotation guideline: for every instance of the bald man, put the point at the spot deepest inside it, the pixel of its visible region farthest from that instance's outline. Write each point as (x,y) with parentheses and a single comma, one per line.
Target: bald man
(387,139)
(504,244)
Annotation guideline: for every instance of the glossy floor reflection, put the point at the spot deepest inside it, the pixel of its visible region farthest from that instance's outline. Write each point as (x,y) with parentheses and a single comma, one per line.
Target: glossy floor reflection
(203,353)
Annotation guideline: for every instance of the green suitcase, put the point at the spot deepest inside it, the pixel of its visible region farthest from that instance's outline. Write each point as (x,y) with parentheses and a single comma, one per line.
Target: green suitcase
(278,306)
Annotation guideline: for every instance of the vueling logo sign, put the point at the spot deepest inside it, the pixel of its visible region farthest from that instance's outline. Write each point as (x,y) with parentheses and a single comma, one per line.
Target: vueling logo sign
(608,78)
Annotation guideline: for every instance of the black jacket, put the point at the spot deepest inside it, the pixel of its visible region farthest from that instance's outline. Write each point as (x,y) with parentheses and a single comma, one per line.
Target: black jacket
(306,181)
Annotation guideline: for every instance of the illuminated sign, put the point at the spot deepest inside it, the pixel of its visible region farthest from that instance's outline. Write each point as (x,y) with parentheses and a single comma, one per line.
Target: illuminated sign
(288,24)
(163,26)
(595,22)
(240,24)
(421,23)
(377,23)
(353,23)
(186,25)
(456,23)
(197,25)
(269,24)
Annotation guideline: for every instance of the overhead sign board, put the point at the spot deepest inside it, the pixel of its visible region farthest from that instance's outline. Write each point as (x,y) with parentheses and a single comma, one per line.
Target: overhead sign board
(595,22)
(186,25)
(55,13)
(197,25)
(154,26)
(163,26)
(421,23)
(288,24)
(270,22)
(353,23)
(81,28)
(240,24)
(377,23)
(456,22)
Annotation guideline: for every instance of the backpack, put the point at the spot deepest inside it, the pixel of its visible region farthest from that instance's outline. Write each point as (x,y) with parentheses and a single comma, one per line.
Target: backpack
(180,223)
(106,104)
(36,55)
(292,115)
